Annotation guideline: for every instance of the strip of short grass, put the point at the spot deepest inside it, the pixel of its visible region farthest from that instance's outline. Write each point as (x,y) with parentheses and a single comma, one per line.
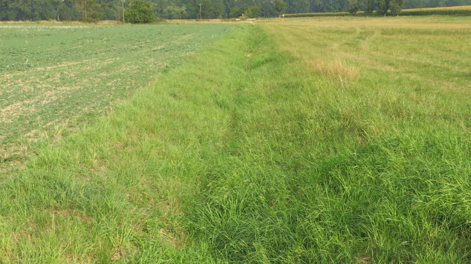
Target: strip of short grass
(253,154)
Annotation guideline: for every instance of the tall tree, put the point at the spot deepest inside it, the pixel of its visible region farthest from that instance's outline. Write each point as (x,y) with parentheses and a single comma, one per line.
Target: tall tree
(298,6)
(396,6)
(267,8)
(89,9)
(383,6)
(212,8)
(236,12)
(353,6)
(174,12)
(140,11)
(252,11)
(369,6)
(280,6)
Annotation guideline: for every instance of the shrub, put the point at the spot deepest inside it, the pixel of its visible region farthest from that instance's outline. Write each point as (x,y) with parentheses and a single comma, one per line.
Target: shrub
(396,6)
(252,11)
(353,6)
(140,11)
(396,9)
(236,12)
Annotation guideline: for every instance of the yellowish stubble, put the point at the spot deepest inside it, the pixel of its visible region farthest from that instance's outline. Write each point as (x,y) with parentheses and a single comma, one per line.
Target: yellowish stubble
(298,41)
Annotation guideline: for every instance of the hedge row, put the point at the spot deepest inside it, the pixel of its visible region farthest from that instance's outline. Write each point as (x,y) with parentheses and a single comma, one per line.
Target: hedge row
(436,11)
(459,11)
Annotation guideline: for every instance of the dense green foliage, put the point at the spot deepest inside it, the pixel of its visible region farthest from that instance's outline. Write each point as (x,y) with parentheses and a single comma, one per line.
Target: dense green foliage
(139,12)
(112,9)
(393,6)
(280,6)
(394,10)
(435,3)
(89,10)
(353,6)
(252,11)
(306,6)
(38,10)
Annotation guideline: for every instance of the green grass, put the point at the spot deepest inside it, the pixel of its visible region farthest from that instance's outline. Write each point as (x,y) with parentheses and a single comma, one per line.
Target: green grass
(280,143)
(55,78)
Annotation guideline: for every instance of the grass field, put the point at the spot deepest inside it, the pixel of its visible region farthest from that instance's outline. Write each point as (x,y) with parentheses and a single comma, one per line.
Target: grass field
(54,78)
(340,140)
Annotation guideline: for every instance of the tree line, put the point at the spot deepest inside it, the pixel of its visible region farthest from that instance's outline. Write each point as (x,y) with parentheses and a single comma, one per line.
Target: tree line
(92,10)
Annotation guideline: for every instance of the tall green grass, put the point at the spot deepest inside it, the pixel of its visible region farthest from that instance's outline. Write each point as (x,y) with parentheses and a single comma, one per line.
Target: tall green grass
(248,155)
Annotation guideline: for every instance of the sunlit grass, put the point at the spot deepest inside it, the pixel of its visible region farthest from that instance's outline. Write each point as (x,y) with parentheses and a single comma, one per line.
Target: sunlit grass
(282,143)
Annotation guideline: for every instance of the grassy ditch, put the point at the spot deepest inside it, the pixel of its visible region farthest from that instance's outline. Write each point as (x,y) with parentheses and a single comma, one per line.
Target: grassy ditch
(268,147)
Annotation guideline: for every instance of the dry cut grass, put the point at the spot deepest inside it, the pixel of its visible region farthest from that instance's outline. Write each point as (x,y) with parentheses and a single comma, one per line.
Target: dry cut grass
(387,22)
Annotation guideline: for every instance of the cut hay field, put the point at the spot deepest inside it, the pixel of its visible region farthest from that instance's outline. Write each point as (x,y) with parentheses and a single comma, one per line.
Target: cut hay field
(333,140)
(55,78)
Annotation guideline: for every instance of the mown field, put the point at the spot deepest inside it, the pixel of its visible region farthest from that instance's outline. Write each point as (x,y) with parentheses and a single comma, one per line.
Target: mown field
(335,140)
(55,78)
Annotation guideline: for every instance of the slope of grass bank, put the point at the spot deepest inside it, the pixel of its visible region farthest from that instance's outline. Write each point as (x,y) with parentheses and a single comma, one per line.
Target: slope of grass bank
(254,153)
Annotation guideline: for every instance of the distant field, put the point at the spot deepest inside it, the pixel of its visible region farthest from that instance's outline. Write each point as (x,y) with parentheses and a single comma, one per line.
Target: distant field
(441,8)
(54,78)
(423,22)
(446,11)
